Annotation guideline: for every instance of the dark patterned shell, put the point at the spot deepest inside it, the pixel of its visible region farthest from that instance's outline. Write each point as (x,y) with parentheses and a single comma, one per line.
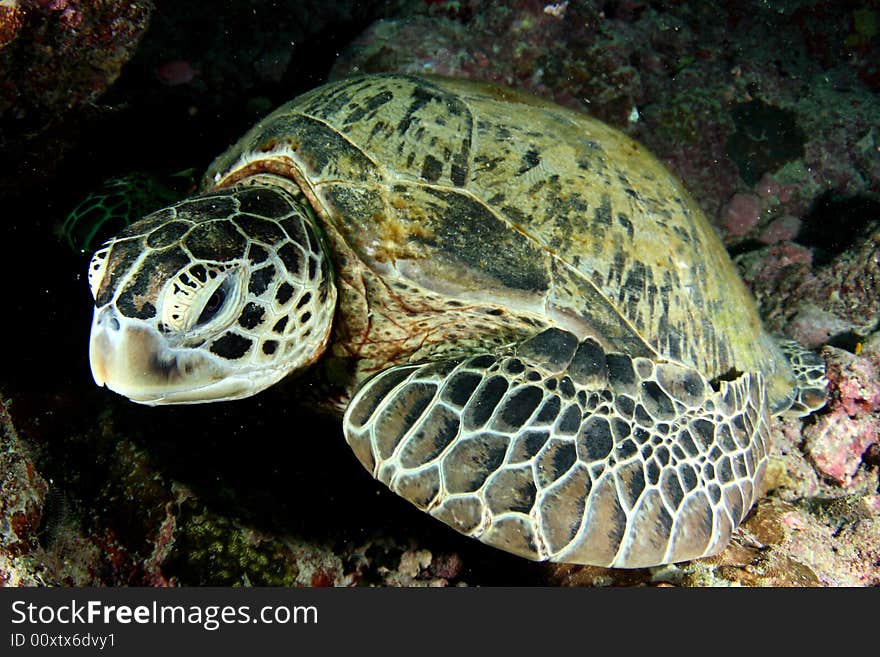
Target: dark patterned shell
(466,188)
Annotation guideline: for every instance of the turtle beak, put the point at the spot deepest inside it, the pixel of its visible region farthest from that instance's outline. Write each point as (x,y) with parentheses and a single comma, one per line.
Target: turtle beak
(125,356)
(105,327)
(131,358)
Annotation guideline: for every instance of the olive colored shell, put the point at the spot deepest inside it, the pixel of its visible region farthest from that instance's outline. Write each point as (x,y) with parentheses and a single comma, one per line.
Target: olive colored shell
(465,189)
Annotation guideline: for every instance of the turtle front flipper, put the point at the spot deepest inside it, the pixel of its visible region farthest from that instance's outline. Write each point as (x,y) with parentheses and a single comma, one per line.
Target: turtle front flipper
(562,451)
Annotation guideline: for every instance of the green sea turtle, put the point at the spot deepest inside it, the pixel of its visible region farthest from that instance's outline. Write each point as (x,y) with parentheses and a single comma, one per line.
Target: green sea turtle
(532,331)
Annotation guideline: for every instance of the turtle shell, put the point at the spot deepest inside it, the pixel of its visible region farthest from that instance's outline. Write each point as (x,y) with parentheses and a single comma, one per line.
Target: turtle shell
(473,191)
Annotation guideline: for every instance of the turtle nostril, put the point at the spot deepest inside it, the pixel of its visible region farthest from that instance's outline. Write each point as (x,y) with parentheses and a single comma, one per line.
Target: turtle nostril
(108,320)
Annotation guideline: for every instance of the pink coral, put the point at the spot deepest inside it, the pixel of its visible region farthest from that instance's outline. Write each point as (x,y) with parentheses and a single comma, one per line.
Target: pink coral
(768,187)
(837,442)
(741,214)
(855,380)
(840,439)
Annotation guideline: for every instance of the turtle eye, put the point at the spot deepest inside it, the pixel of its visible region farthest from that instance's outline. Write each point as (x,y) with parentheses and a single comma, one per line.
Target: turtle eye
(200,295)
(214,304)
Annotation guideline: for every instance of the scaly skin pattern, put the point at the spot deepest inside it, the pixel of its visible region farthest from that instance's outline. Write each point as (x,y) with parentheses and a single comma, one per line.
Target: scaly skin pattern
(562,451)
(256,252)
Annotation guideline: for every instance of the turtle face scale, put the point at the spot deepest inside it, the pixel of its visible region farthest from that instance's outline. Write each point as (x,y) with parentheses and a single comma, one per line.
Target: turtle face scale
(214,298)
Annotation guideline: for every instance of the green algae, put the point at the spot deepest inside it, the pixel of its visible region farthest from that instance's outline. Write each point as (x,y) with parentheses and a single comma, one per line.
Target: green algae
(682,115)
(213,549)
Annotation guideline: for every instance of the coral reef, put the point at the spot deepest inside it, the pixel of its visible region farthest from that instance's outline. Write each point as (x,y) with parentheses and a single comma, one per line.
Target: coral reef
(56,58)
(836,301)
(22,493)
(65,53)
(11,19)
(157,531)
(741,214)
(839,440)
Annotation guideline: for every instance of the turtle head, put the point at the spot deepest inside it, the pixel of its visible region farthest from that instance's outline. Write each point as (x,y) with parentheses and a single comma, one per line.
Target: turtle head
(214,298)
